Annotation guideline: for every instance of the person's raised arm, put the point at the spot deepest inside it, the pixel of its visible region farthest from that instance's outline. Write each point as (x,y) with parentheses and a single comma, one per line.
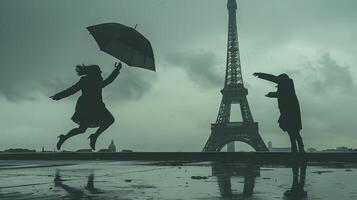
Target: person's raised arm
(272,95)
(67,92)
(113,75)
(268,77)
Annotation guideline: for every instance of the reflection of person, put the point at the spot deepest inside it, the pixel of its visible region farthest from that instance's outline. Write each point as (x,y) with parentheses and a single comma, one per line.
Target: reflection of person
(73,192)
(90,110)
(90,185)
(297,189)
(290,117)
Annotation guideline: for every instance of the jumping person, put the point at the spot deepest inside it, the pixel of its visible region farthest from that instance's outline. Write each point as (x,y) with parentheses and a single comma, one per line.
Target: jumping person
(290,117)
(90,110)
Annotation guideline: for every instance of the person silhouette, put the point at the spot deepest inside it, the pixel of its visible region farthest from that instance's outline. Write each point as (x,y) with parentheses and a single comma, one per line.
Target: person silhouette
(290,116)
(74,193)
(90,111)
(90,185)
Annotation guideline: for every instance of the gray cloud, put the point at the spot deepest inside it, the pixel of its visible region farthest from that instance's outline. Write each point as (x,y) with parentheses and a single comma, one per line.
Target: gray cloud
(24,85)
(200,67)
(326,75)
(132,84)
(334,76)
(41,46)
(42,41)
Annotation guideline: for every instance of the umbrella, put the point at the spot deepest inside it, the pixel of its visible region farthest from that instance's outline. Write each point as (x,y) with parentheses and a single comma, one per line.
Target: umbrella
(124,43)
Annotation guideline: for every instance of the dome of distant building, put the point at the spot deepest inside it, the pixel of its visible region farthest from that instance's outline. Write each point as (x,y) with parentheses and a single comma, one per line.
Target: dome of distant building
(112,147)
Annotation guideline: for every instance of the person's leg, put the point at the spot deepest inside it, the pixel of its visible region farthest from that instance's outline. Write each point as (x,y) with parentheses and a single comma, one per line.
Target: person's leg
(295,169)
(71,133)
(303,167)
(299,142)
(293,142)
(107,122)
(293,190)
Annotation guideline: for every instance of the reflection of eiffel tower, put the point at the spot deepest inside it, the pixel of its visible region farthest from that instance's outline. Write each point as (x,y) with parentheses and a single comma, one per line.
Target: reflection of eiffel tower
(224,172)
(223,131)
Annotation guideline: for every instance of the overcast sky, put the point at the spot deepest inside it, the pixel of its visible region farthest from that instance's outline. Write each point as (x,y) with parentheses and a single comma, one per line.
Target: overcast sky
(171,110)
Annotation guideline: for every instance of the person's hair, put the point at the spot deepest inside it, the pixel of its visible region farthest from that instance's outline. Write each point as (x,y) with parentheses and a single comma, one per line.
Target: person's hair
(283,76)
(87,70)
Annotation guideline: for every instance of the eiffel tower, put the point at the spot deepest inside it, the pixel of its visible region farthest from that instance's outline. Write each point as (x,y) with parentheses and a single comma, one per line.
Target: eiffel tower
(224,131)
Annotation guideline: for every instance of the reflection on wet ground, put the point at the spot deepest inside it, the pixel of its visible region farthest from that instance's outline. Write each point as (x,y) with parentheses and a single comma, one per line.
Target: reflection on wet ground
(175,180)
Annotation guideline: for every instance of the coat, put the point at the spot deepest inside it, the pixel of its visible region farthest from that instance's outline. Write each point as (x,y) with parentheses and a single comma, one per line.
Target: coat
(90,110)
(290,116)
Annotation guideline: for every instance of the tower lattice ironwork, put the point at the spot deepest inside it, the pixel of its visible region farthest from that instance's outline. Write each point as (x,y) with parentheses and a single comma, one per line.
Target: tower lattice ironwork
(224,131)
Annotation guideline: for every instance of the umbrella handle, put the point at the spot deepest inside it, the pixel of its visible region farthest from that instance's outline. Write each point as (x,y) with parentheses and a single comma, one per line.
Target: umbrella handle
(118,65)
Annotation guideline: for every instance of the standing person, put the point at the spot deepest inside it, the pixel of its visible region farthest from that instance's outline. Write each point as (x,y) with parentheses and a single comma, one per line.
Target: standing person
(90,110)
(290,117)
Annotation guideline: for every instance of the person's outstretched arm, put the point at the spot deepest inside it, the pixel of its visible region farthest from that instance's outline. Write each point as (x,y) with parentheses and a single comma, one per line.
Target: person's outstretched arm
(113,75)
(272,95)
(67,92)
(268,77)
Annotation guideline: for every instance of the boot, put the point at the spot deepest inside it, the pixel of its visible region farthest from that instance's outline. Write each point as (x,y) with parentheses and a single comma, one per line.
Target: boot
(62,139)
(93,140)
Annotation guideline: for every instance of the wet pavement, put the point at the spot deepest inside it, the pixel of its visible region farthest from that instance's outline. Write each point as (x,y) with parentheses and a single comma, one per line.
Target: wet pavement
(165,180)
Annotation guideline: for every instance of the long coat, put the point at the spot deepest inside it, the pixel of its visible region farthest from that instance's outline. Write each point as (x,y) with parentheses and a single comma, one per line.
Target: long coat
(290,116)
(90,110)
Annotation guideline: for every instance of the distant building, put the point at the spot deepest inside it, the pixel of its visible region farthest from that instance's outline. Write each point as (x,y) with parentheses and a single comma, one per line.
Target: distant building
(277,149)
(43,150)
(65,151)
(338,149)
(311,150)
(270,146)
(329,150)
(19,150)
(84,150)
(343,149)
(281,149)
(127,151)
(111,148)
(103,150)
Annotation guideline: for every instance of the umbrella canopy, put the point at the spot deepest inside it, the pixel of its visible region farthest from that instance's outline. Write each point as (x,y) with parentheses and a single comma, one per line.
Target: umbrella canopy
(124,43)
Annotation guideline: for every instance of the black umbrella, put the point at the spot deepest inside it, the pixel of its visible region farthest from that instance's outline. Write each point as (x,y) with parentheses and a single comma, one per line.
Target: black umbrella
(124,43)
